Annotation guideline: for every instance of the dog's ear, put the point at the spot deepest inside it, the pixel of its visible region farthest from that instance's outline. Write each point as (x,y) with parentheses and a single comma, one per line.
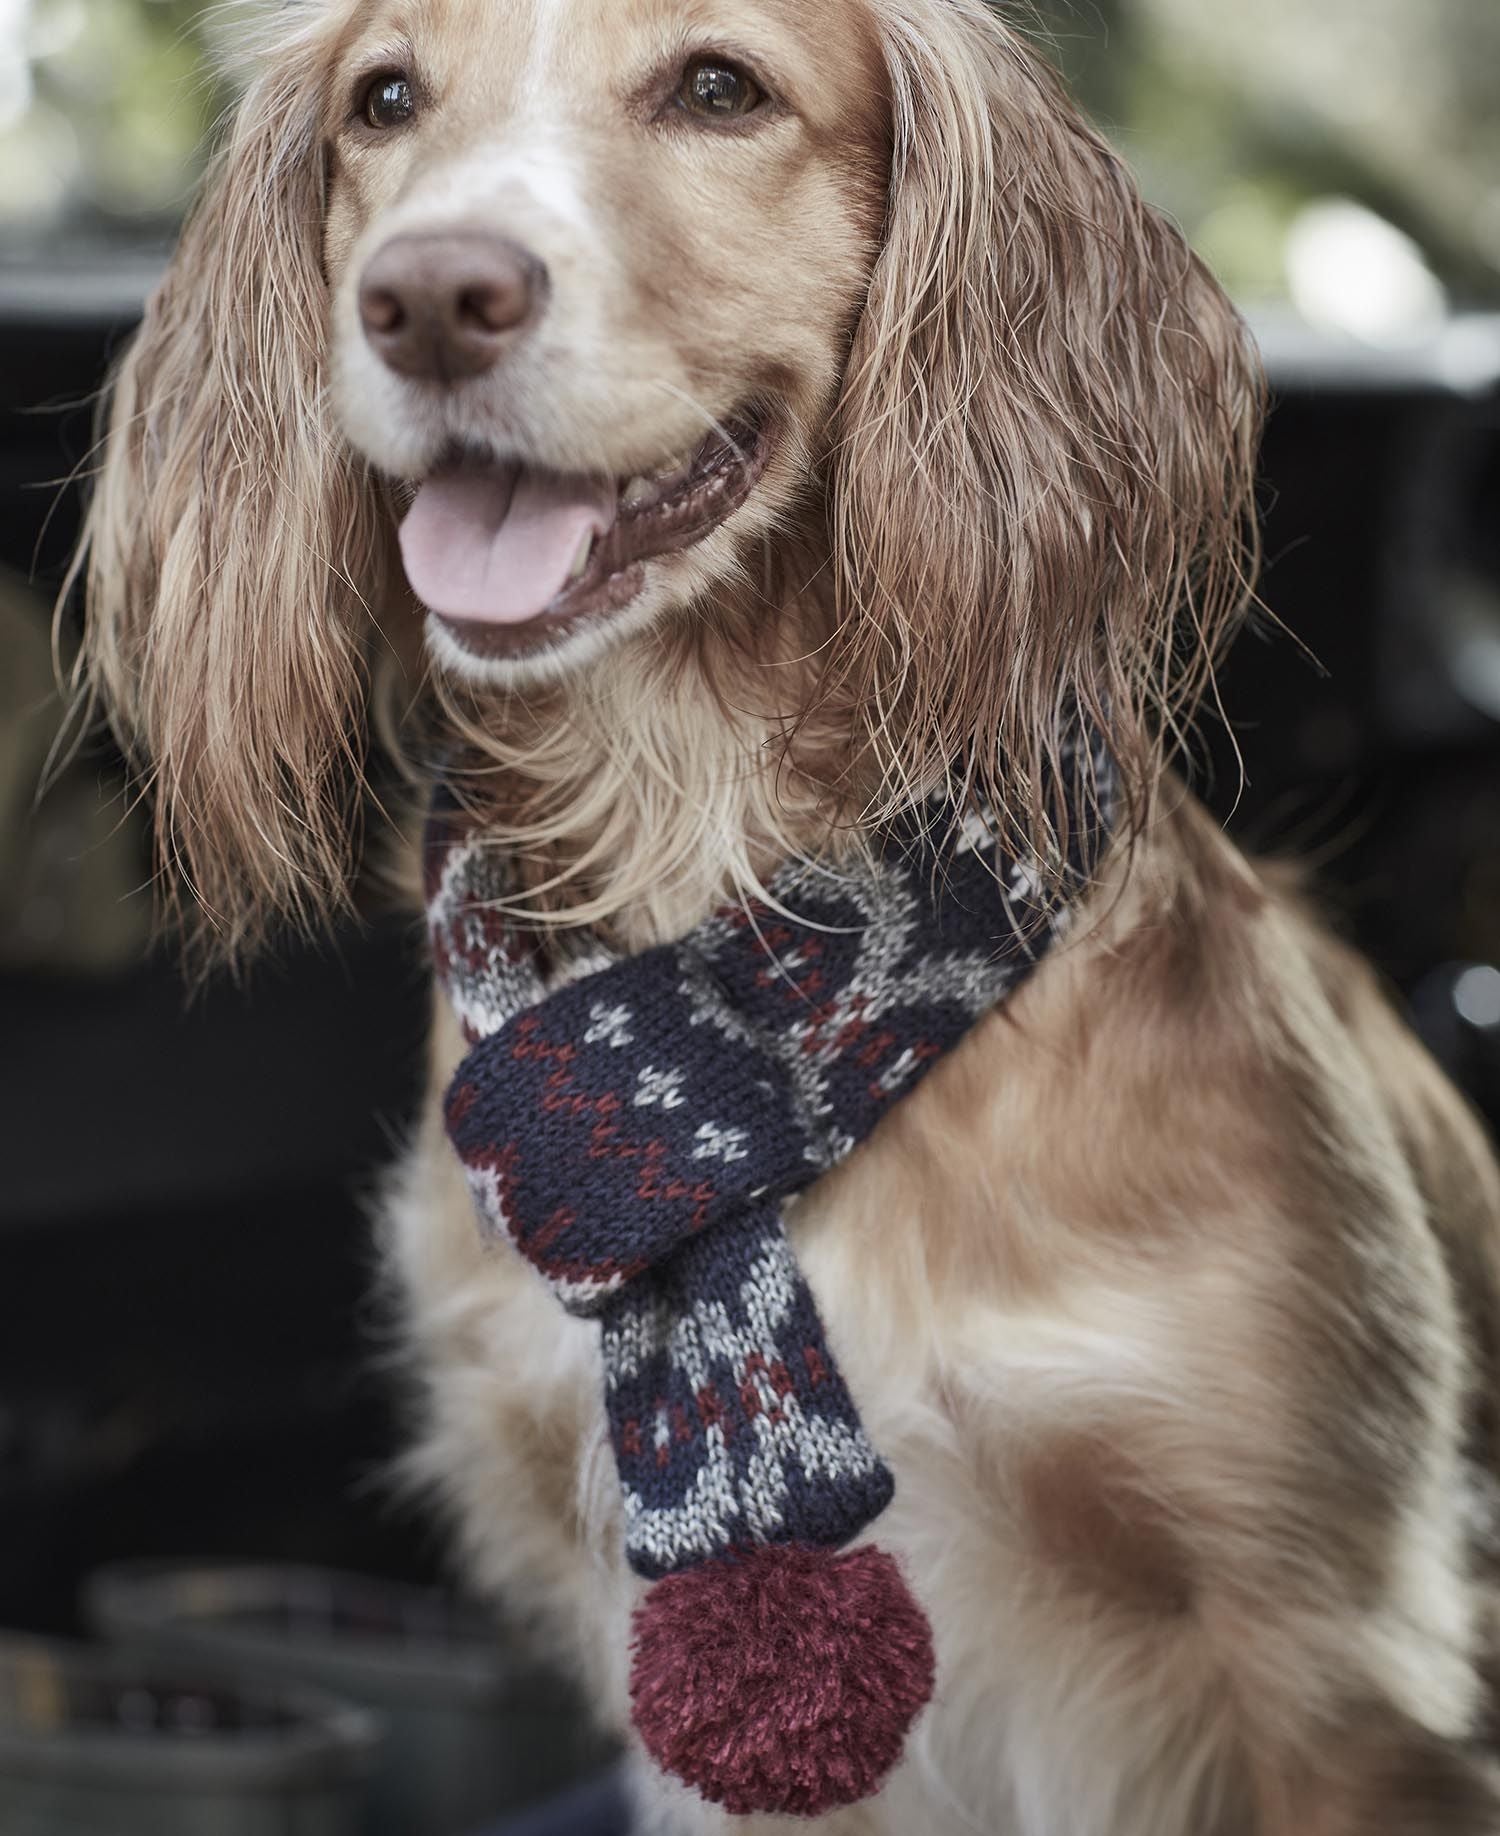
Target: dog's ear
(231,540)
(1044,454)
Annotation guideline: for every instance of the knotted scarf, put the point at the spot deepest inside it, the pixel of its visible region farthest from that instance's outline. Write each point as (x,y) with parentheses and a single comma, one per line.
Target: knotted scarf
(634,1125)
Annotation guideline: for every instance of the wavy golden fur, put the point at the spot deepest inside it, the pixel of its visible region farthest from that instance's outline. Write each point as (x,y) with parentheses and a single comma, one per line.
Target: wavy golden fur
(1173,1295)
(231,541)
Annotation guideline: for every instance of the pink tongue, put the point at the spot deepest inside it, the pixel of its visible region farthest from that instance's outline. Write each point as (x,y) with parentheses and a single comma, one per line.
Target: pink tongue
(499,545)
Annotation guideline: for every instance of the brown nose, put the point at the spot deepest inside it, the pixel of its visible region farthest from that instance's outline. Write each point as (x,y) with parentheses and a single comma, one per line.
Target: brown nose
(443,306)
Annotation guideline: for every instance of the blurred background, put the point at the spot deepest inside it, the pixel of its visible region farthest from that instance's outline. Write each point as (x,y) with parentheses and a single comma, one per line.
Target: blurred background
(188,1348)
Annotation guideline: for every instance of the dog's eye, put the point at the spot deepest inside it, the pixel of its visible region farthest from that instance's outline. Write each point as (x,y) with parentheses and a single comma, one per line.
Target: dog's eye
(717,91)
(388,101)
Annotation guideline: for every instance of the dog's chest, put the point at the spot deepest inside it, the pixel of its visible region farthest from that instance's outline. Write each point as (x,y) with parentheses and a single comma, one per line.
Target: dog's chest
(919,1252)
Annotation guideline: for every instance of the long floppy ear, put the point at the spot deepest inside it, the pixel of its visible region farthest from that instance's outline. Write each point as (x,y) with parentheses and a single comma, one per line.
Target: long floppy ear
(230,538)
(1044,459)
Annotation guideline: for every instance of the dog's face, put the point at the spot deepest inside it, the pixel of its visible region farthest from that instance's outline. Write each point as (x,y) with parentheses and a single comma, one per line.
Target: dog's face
(710,354)
(594,265)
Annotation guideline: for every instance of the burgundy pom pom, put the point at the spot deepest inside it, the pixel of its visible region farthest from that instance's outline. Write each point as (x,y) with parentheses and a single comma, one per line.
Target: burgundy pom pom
(782,1678)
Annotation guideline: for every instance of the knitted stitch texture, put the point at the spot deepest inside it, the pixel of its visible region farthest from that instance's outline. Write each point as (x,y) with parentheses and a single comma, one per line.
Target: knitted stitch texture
(634,1125)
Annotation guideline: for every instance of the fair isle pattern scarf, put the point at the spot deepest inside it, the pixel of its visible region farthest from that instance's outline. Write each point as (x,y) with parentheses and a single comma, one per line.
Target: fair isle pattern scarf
(634,1125)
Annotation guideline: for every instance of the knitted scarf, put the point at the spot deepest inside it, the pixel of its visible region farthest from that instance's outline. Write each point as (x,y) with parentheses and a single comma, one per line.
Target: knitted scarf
(634,1126)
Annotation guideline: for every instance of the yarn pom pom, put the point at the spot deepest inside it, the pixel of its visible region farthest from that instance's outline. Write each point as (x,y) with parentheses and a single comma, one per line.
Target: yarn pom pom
(781,1678)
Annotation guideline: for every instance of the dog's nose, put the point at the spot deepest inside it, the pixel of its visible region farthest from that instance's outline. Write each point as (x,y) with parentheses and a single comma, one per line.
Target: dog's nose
(444,306)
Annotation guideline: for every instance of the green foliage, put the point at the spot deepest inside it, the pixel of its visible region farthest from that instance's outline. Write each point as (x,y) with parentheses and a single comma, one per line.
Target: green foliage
(1236,113)
(108,121)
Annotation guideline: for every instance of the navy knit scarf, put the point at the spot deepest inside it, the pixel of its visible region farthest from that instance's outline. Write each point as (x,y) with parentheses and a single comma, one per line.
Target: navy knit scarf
(633,1125)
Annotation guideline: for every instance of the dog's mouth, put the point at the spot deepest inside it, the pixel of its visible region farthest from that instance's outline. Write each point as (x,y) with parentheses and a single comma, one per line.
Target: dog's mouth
(509,557)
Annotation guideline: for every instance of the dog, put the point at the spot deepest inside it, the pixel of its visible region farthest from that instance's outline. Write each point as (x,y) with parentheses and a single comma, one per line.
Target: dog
(859,424)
